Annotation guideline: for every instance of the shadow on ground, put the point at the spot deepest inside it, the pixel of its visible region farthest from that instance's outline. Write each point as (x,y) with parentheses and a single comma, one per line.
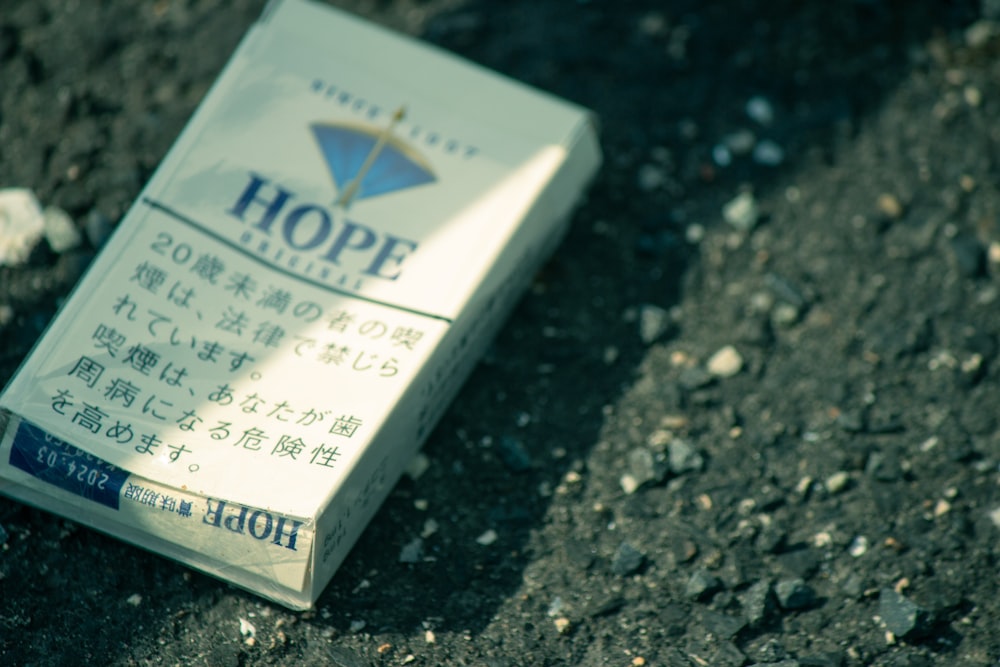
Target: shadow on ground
(669,82)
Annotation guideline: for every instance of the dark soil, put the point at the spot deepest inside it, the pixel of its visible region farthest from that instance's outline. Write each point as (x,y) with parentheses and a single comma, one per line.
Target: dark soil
(828,504)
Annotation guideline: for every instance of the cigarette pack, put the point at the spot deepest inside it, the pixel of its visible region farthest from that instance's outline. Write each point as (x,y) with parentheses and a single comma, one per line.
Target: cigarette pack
(299,291)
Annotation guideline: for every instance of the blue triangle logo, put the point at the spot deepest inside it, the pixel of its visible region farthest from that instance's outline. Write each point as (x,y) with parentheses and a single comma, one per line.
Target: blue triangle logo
(347,147)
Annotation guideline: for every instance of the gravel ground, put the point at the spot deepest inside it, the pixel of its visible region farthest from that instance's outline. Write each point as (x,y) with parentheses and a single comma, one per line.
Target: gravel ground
(746,415)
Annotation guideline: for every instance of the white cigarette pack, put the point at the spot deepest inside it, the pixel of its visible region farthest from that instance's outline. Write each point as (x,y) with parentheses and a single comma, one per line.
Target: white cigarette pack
(295,297)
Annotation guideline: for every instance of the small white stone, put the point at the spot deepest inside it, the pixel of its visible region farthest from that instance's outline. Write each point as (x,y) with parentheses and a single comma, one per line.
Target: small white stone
(973,97)
(837,482)
(487,538)
(859,545)
(802,488)
(741,212)
(785,315)
(430,527)
(21,225)
(725,363)
(695,233)
(760,110)
(556,607)
(822,539)
(629,484)
(247,628)
(653,323)
(60,231)
(981,32)
(135,600)
(995,517)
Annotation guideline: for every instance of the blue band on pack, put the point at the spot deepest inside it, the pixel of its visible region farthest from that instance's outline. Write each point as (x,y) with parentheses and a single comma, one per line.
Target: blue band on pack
(51,460)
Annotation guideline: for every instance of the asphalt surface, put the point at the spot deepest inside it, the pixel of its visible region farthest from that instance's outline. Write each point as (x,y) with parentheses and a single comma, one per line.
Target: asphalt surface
(745,415)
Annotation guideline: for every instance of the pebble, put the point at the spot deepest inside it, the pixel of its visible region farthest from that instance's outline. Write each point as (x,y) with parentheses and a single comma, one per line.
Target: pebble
(627,560)
(60,230)
(247,628)
(134,600)
(941,507)
(629,484)
(725,363)
(973,96)
(994,515)
(889,206)
(858,546)
(900,615)
(562,624)
(768,153)
(654,322)
(412,551)
(980,33)
(487,538)
(760,110)
(794,594)
(785,315)
(721,155)
(695,234)
(644,467)
(742,211)
(837,482)
(555,607)
(757,603)
(701,585)
(430,528)
(21,225)
(683,457)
